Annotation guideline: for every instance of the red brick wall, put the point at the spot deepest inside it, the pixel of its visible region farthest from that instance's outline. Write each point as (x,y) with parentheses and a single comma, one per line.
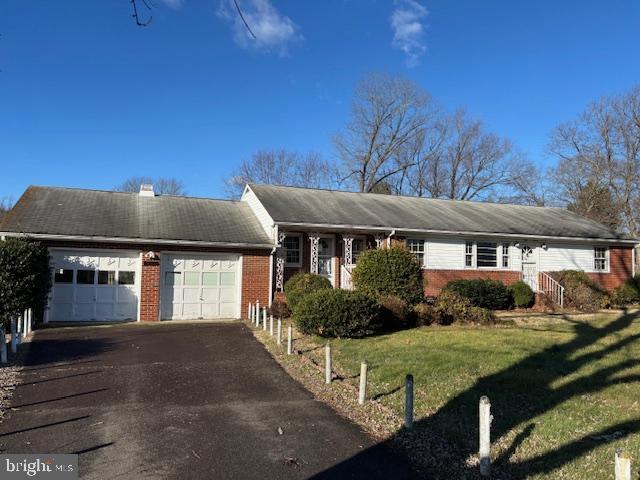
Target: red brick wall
(436,279)
(620,268)
(255,273)
(255,281)
(150,291)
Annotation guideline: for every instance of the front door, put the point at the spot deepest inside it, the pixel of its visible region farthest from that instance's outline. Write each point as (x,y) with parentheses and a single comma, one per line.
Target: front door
(325,257)
(529,267)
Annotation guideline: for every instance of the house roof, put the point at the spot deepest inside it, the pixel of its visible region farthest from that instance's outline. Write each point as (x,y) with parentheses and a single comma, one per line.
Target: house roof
(70,212)
(293,205)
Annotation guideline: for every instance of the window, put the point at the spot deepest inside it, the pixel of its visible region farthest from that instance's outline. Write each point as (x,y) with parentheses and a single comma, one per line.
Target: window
(357,248)
(63,275)
(293,255)
(487,254)
(505,255)
(126,278)
(192,279)
(86,277)
(416,247)
(106,277)
(600,258)
(468,254)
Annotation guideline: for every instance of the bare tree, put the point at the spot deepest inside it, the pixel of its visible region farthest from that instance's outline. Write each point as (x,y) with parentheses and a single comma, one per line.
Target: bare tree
(387,114)
(162,185)
(602,148)
(281,167)
(5,205)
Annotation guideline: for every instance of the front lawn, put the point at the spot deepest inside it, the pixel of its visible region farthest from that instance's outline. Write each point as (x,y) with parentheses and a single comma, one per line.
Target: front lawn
(565,393)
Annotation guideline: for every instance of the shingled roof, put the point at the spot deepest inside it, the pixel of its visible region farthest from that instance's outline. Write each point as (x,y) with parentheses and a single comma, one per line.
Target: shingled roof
(331,208)
(100,214)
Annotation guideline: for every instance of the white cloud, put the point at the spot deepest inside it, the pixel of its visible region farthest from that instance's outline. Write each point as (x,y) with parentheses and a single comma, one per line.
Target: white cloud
(273,31)
(408,29)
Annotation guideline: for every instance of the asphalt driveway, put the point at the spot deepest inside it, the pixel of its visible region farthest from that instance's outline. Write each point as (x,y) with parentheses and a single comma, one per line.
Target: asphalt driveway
(201,401)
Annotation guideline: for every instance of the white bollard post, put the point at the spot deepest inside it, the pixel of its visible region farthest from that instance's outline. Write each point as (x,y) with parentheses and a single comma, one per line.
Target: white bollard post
(362,393)
(289,340)
(279,339)
(271,326)
(623,465)
(30,324)
(408,402)
(249,307)
(264,319)
(25,320)
(19,329)
(3,345)
(257,319)
(327,363)
(484,452)
(14,336)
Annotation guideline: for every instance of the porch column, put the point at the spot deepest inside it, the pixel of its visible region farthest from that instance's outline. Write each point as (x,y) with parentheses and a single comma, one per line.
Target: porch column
(380,237)
(280,260)
(314,238)
(347,240)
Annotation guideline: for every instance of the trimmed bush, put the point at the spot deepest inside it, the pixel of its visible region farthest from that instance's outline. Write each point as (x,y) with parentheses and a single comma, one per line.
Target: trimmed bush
(424,314)
(624,295)
(394,311)
(580,291)
(302,284)
(279,309)
(336,313)
(452,307)
(522,295)
(483,293)
(25,277)
(390,271)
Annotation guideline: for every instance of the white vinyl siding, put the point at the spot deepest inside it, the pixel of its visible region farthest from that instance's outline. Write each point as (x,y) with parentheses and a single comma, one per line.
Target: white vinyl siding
(569,257)
(259,211)
(445,253)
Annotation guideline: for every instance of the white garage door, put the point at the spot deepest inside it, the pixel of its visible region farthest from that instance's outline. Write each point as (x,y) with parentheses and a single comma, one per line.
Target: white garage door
(196,286)
(92,285)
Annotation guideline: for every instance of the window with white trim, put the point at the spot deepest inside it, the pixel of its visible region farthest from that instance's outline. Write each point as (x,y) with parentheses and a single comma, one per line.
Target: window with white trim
(468,254)
(416,246)
(505,255)
(486,254)
(600,259)
(293,250)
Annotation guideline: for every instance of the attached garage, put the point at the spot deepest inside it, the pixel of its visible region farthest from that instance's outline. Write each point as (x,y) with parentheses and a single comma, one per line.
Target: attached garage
(200,286)
(94,285)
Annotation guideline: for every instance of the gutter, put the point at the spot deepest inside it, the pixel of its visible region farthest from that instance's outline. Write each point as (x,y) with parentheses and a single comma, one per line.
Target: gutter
(400,231)
(144,241)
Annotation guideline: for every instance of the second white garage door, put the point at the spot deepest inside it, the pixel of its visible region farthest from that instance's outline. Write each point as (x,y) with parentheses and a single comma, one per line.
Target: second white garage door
(198,286)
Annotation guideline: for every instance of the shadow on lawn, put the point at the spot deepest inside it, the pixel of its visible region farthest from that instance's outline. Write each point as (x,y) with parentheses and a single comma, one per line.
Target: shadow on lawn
(519,394)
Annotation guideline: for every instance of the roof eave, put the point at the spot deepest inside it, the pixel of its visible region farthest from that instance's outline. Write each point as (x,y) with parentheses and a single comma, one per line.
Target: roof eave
(401,231)
(145,241)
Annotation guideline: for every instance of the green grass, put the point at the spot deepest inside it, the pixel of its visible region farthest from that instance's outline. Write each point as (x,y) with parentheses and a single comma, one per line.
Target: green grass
(553,386)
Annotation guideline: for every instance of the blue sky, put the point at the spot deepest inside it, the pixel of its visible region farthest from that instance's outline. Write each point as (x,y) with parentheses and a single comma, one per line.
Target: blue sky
(88,99)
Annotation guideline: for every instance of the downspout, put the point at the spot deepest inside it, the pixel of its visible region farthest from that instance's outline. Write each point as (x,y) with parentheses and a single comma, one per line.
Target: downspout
(393,232)
(271,260)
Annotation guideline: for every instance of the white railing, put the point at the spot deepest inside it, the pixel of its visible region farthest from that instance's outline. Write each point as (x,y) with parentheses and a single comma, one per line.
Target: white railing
(346,280)
(552,288)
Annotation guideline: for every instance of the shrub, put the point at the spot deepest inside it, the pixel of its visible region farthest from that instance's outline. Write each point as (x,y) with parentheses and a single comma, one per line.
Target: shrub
(25,277)
(625,294)
(302,284)
(394,311)
(580,292)
(279,309)
(452,307)
(336,313)
(390,271)
(424,314)
(522,295)
(483,293)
